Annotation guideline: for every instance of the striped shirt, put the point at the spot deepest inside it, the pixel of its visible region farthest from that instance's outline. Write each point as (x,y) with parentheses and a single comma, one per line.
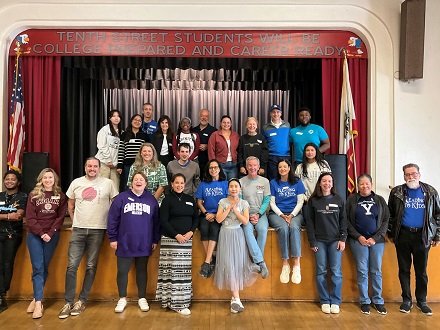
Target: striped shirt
(129,149)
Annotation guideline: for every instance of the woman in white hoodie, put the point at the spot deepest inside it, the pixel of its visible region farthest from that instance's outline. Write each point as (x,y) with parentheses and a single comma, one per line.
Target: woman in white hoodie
(108,146)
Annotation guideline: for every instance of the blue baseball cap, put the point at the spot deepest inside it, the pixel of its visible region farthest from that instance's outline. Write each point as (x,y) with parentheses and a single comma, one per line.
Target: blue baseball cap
(275,107)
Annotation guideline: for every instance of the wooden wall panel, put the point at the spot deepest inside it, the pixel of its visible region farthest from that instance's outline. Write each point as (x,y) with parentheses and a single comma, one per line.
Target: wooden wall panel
(105,287)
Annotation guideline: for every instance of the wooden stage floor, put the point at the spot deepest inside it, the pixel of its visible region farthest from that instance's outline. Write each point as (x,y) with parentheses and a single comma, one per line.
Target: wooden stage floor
(216,315)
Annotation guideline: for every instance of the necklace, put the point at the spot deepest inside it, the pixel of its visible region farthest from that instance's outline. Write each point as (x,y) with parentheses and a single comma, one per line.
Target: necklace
(8,198)
(179,198)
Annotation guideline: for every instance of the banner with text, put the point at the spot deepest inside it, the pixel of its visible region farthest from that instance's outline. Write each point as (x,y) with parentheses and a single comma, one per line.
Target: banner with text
(192,43)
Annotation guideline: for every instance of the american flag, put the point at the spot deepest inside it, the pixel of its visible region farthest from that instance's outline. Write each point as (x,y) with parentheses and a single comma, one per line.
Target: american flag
(16,120)
(348,128)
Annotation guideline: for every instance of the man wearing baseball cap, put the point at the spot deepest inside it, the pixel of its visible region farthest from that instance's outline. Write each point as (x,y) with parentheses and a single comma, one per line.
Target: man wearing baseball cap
(276,133)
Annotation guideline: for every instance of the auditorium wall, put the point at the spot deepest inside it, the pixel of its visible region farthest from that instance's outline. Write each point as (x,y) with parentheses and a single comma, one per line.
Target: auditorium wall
(403,115)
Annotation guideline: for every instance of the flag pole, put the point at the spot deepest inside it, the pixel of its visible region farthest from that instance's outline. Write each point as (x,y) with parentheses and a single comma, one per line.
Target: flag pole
(351,132)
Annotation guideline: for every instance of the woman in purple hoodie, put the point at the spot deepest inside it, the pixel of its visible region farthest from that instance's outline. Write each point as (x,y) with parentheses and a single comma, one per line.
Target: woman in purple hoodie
(133,230)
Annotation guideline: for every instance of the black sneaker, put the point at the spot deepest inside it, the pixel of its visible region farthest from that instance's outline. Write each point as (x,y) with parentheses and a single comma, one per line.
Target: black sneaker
(380,308)
(205,270)
(3,304)
(424,309)
(405,307)
(365,308)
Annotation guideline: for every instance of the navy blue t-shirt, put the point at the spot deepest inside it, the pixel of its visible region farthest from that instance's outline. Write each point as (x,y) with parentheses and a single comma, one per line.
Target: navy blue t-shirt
(366,216)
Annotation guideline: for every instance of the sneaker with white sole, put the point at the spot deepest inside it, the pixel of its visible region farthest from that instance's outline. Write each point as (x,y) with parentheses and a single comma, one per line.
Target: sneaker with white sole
(236,305)
(325,308)
(78,308)
(120,306)
(334,309)
(143,305)
(65,311)
(285,274)
(296,275)
(184,311)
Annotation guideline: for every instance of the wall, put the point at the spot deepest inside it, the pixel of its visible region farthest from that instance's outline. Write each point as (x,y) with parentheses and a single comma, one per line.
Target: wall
(105,288)
(401,113)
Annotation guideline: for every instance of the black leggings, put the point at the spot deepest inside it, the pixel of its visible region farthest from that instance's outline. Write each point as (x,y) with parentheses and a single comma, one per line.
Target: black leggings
(124,265)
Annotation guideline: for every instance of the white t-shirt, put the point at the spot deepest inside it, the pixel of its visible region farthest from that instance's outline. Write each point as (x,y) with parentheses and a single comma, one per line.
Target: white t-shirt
(92,201)
(164,148)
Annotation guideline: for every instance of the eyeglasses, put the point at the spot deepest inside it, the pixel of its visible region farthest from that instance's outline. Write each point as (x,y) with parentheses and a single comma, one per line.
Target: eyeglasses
(137,120)
(214,167)
(413,174)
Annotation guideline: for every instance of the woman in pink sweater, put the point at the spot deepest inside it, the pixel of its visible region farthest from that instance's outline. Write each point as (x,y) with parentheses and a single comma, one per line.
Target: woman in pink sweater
(222,145)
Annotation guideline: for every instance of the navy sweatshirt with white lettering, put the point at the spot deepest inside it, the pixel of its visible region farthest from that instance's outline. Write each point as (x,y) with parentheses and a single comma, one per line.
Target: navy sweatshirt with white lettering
(327,220)
(133,222)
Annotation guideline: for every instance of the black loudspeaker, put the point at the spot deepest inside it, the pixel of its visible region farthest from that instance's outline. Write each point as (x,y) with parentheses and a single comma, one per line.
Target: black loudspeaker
(33,163)
(412,39)
(338,164)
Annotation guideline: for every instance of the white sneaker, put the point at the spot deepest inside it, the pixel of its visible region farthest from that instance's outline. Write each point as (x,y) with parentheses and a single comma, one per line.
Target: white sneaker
(184,311)
(325,308)
(285,273)
(236,305)
(143,305)
(296,275)
(334,309)
(121,305)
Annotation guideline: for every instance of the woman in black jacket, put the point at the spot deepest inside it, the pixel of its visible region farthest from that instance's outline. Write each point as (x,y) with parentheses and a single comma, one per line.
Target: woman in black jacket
(162,140)
(368,216)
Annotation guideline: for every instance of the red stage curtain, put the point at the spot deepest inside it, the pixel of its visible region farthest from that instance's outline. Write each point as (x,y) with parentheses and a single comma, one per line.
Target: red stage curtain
(331,100)
(41,90)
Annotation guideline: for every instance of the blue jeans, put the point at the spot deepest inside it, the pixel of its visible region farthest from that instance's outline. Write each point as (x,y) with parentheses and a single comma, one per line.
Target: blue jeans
(40,253)
(368,259)
(82,240)
(287,235)
(256,246)
(230,170)
(328,253)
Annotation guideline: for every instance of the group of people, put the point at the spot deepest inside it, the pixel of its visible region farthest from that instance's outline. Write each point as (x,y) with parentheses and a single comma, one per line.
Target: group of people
(163,199)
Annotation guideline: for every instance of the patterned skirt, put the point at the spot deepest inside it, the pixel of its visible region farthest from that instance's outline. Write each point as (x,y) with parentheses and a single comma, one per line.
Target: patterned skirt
(174,283)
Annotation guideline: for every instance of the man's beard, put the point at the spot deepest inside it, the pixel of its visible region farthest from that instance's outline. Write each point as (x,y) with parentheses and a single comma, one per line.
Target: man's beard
(412,184)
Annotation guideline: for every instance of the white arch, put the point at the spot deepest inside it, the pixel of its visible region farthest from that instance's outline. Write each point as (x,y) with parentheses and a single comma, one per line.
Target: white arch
(361,18)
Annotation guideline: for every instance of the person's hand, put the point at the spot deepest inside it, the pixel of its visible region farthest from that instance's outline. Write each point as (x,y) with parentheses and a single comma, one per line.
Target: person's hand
(110,164)
(114,245)
(287,218)
(119,170)
(363,241)
(15,216)
(188,236)
(261,171)
(46,238)
(243,170)
(341,246)
(371,241)
(253,219)
(435,243)
(203,147)
(314,249)
(154,246)
(180,238)
(210,217)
